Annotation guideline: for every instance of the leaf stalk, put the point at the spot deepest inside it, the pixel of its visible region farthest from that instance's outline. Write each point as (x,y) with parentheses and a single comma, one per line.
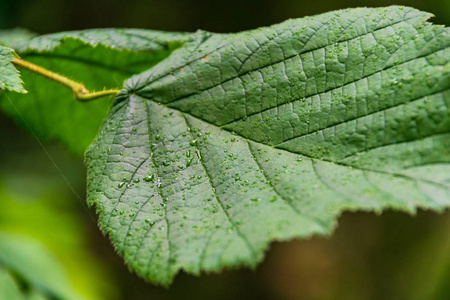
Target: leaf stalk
(81,93)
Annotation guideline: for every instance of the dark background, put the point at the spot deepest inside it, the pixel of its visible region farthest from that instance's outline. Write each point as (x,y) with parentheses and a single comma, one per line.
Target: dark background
(390,256)
(45,16)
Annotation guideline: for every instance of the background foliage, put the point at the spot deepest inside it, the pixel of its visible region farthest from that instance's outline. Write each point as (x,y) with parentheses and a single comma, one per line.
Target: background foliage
(392,256)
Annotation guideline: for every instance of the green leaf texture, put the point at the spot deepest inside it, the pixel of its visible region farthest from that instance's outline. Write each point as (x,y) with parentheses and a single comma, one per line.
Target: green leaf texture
(9,76)
(101,58)
(235,141)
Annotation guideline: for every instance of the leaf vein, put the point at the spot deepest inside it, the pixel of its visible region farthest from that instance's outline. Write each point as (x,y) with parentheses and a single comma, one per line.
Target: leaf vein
(239,232)
(285,199)
(337,87)
(169,254)
(270,64)
(360,117)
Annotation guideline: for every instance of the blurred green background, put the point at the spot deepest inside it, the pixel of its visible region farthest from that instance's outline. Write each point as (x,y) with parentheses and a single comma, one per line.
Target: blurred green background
(389,256)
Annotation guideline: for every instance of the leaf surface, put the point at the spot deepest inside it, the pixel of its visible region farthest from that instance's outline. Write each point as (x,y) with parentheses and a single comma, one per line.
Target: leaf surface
(100,58)
(9,77)
(11,37)
(235,141)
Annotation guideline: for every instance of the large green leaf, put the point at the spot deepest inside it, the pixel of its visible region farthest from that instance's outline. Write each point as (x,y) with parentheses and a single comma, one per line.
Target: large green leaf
(234,141)
(101,58)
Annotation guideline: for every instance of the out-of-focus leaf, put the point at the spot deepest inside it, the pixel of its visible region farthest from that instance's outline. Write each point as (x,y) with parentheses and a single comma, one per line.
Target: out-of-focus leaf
(101,58)
(11,37)
(37,267)
(53,220)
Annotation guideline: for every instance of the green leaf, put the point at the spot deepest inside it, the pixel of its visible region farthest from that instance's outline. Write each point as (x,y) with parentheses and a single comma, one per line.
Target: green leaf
(9,289)
(9,77)
(235,141)
(11,37)
(35,266)
(101,58)
(45,214)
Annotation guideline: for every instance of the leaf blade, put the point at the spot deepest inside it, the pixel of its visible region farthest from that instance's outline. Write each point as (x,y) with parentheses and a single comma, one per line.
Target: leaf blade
(242,146)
